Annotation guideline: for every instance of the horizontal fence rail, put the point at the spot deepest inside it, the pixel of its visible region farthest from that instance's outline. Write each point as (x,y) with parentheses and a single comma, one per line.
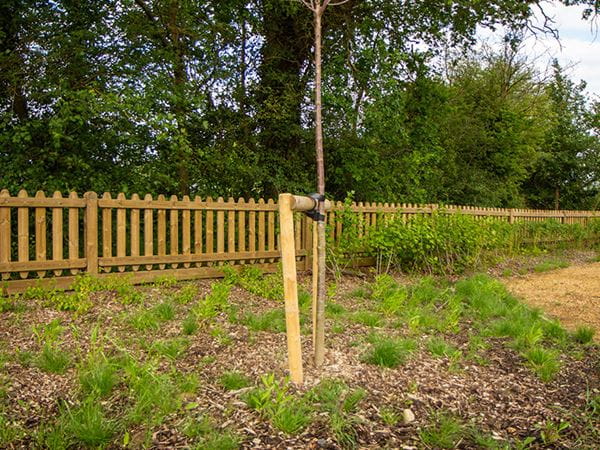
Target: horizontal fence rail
(55,238)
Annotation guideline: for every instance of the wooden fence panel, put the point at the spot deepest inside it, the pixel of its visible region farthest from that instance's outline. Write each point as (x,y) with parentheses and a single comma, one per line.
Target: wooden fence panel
(177,236)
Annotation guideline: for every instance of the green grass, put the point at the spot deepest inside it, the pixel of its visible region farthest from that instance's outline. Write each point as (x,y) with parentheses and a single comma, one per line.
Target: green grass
(389,352)
(584,335)
(287,412)
(98,376)
(53,359)
(550,265)
(366,318)
(164,311)
(172,348)
(543,361)
(439,348)
(338,403)
(272,320)
(144,320)
(154,394)
(189,325)
(233,380)
(444,431)
(87,424)
(186,294)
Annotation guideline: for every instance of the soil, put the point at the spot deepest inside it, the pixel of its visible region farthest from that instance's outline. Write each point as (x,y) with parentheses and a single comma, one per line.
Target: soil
(501,397)
(571,295)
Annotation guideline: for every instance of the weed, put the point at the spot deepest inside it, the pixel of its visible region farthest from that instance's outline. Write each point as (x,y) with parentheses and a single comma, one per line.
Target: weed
(220,440)
(550,431)
(164,311)
(366,318)
(232,380)
(359,292)
(87,423)
(272,399)
(334,309)
(291,417)
(144,320)
(186,294)
(338,401)
(215,302)
(439,348)
(272,320)
(169,348)
(388,416)
(189,325)
(11,304)
(304,299)
(53,359)
(252,279)
(165,281)
(98,376)
(389,352)
(154,394)
(9,432)
(550,265)
(544,362)
(445,431)
(584,335)
(197,427)
(338,328)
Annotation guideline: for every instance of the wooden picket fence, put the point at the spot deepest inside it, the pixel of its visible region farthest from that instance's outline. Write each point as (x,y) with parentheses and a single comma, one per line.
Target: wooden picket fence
(187,239)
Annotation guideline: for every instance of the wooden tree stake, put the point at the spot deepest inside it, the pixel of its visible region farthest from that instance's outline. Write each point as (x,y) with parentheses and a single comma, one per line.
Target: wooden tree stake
(290,286)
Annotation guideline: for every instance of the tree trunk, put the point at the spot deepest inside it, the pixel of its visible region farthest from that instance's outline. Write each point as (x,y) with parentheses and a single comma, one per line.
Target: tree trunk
(319,344)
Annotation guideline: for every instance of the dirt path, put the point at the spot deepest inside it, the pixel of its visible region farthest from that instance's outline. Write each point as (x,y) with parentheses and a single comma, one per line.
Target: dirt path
(572,295)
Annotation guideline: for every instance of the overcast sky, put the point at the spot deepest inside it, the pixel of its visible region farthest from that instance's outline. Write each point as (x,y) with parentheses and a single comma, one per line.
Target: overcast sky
(580,42)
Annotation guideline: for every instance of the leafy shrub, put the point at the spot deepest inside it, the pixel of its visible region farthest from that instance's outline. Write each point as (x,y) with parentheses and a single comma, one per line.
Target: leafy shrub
(253,280)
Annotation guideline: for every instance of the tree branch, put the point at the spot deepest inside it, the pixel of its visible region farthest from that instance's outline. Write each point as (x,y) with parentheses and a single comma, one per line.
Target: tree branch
(154,20)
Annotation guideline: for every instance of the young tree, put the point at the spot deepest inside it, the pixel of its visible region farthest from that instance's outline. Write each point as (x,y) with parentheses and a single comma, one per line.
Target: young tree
(318,7)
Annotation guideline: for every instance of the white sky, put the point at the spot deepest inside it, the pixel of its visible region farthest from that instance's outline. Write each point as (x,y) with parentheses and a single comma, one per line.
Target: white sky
(578,51)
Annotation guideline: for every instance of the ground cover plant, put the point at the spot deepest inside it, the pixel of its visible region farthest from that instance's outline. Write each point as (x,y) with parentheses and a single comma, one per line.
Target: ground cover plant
(420,361)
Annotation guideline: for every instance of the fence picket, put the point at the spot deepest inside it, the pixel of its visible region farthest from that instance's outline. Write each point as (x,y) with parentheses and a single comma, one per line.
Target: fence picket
(161,239)
(23,237)
(241,227)
(231,227)
(174,231)
(197,230)
(74,232)
(186,230)
(5,232)
(209,228)
(121,231)
(40,234)
(107,231)
(148,230)
(135,232)
(57,234)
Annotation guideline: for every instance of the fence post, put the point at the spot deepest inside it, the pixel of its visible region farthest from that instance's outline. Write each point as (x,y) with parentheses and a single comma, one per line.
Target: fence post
(91,232)
(511,217)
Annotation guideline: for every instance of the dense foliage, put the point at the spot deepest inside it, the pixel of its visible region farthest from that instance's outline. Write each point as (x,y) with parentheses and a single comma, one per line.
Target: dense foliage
(213,98)
(451,243)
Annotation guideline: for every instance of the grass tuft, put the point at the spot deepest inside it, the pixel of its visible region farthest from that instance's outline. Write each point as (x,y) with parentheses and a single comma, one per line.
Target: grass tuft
(584,335)
(233,380)
(389,352)
(544,362)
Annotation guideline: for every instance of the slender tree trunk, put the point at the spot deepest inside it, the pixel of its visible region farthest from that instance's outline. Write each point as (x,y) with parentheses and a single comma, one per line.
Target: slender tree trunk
(319,344)
(557,198)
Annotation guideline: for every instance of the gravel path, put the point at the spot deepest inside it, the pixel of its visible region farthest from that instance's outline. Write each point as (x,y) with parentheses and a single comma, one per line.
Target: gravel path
(572,295)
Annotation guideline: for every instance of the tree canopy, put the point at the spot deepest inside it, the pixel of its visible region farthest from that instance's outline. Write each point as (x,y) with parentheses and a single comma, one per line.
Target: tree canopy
(214,98)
